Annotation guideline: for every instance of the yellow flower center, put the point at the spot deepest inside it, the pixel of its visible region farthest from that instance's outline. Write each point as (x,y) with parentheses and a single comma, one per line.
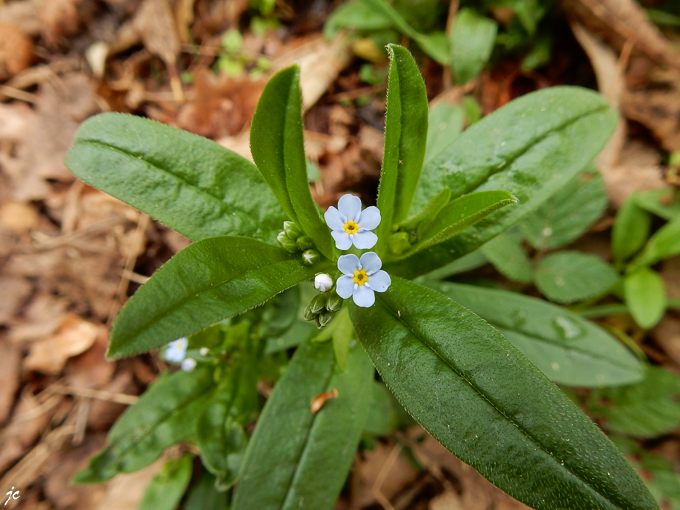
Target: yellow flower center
(351,227)
(360,277)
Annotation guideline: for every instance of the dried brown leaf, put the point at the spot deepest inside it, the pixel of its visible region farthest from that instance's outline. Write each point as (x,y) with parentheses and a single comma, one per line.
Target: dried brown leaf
(15,293)
(155,24)
(319,400)
(9,376)
(16,51)
(74,336)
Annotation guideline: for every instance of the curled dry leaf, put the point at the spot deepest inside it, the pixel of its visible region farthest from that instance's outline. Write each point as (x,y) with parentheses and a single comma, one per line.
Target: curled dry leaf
(126,491)
(625,21)
(9,377)
(16,51)
(319,400)
(74,336)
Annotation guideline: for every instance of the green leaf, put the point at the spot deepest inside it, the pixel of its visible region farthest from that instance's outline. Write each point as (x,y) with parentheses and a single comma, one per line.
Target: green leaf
(164,415)
(298,459)
(220,431)
(358,14)
(187,182)
(405,140)
(206,282)
(277,144)
(296,334)
(568,213)
(434,44)
(645,296)
(382,419)
(472,38)
(490,406)
(204,496)
(471,261)
(166,489)
(631,229)
(340,332)
(530,148)
(665,243)
(568,349)
(570,276)
(445,123)
(507,255)
(455,217)
(662,202)
(646,409)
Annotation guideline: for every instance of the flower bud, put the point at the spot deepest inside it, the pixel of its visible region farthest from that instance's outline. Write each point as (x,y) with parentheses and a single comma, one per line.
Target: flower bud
(323,282)
(310,257)
(324,319)
(204,351)
(304,243)
(291,230)
(188,364)
(287,244)
(334,303)
(309,314)
(318,304)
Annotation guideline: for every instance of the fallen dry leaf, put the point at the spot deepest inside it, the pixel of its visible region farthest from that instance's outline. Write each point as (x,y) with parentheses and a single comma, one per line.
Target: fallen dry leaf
(59,18)
(16,51)
(15,293)
(126,491)
(624,21)
(74,336)
(18,217)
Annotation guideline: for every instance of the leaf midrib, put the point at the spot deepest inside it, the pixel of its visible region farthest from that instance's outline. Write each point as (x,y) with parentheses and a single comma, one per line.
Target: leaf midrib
(484,396)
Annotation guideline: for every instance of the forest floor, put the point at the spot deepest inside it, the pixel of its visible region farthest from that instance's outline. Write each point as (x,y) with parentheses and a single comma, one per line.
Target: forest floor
(70,255)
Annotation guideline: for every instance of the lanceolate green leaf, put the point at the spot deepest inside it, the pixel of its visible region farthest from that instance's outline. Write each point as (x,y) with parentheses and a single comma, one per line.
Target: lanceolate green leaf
(187,182)
(206,282)
(167,488)
(472,39)
(277,144)
(405,140)
(530,148)
(297,459)
(164,415)
(490,406)
(507,255)
(567,348)
(663,244)
(630,231)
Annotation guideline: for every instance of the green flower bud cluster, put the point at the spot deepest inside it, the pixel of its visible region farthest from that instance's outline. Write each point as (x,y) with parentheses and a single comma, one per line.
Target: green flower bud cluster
(293,240)
(323,308)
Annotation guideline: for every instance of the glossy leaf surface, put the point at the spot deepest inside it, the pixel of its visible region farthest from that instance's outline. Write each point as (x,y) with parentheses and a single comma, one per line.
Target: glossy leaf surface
(206,282)
(569,276)
(531,148)
(405,140)
(187,182)
(645,295)
(568,349)
(490,406)
(445,123)
(163,416)
(297,459)
(277,144)
(166,489)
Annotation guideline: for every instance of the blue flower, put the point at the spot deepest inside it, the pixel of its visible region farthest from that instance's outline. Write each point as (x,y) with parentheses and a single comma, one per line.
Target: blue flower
(350,225)
(361,278)
(175,351)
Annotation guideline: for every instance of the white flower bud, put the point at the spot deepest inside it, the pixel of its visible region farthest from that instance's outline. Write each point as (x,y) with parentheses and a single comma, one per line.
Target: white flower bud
(323,282)
(188,364)
(204,351)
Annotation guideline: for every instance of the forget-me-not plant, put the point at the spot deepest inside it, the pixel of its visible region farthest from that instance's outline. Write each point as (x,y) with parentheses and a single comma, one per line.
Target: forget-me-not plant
(362,278)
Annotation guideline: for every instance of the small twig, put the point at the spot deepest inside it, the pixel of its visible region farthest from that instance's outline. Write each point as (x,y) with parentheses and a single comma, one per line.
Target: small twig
(109,396)
(451,17)
(135,277)
(363,91)
(380,479)
(136,244)
(82,412)
(49,243)
(13,93)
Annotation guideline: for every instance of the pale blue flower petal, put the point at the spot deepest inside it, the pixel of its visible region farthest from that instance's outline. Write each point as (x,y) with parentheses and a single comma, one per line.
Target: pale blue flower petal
(348,264)
(350,206)
(363,296)
(334,219)
(345,286)
(176,350)
(379,281)
(342,239)
(365,240)
(370,262)
(370,218)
